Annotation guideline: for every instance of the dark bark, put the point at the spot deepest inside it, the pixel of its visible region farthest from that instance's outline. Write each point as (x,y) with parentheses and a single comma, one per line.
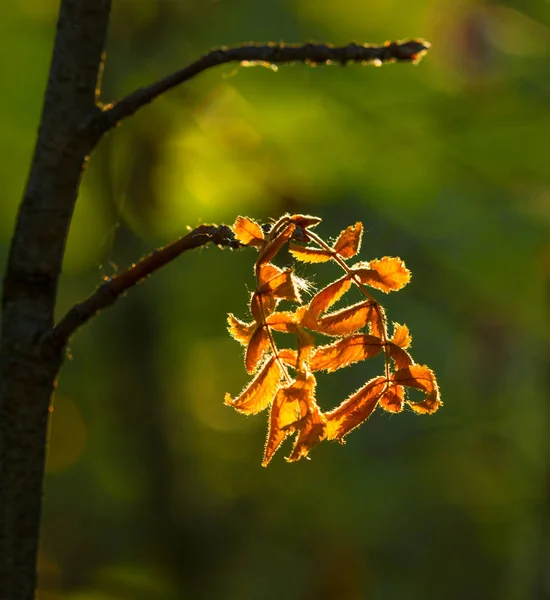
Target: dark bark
(30,284)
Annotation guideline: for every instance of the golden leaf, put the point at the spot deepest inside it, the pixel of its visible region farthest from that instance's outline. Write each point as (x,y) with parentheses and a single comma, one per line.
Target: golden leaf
(355,409)
(285,321)
(278,283)
(273,246)
(309,255)
(387,274)
(324,299)
(260,391)
(345,352)
(349,241)
(313,429)
(291,404)
(421,378)
(401,336)
(393,399)
(344,321)
(239,330)
(259,343)
(248,232)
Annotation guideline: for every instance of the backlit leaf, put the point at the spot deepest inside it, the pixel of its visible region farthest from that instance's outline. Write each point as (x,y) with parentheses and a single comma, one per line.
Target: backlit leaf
(387,274)
(259,343)
(401,358)
(285,321)
(422,378)
(345,352)
(328,296)
(349,241)
(291,404)
(401,336)
(262,305)
(273,246)
(393,399)
(344,321)
(313,429)
(248,232)
(306,346)
(260,391)
(355,409)
(239,330)
(309,255)
(278,283)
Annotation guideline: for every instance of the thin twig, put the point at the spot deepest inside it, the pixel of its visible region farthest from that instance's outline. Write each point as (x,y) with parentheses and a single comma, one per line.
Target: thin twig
(113,287)
(267,55)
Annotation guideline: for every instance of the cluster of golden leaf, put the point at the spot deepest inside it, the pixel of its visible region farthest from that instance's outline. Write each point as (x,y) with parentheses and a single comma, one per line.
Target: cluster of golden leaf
(360,332)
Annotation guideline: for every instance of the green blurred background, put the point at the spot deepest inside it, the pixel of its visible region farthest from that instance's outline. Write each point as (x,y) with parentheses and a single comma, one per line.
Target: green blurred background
(154,487)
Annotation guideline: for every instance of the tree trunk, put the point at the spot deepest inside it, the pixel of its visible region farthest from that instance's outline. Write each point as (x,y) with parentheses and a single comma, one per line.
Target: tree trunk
(28,371)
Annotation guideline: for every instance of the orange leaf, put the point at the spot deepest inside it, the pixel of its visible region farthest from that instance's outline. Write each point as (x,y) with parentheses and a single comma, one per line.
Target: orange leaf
(240,331)
(422,378)
(326,298)
(344,321)
(345,352)
(273,246)
(401,357)
(393,399)
(289,357)
(387,274)
(355,409)
(305,220)
(279,283)
(259,343)
(261,305)
(248,232)
(313,430)
(377,321)
(306,346)
(290,405)
(401,336)
(260,391)
(283,321)
(349,241)
(309,255)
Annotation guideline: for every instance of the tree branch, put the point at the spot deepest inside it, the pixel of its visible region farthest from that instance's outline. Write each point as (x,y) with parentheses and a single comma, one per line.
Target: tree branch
(267,55)
(112,288)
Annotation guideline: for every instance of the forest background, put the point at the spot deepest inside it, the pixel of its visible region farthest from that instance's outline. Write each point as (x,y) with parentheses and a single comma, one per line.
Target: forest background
(154,487)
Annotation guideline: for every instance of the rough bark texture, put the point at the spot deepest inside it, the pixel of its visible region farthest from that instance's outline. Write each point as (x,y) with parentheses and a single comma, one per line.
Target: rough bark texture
(27,376)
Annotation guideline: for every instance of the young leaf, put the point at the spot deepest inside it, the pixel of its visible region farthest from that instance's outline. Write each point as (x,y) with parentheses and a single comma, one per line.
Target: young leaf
(259,343)
(349,241)
(345,352)
(248,232)
(393,399)
(309,255)
(422,378)
(260,391)
(291,404)
(355,409)
(387,274)
(344,321)
(239,330)
(328,296)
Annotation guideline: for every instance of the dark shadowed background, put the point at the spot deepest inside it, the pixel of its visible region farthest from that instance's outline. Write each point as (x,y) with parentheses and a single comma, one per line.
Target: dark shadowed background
(154,488)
